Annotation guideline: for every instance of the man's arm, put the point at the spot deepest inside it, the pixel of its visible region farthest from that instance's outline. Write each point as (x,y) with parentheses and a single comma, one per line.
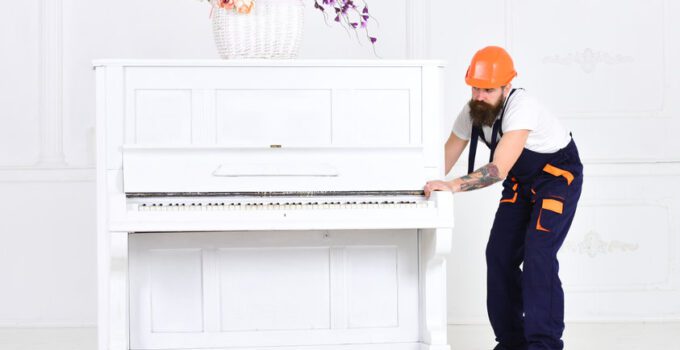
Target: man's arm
(452,151)
(507,152)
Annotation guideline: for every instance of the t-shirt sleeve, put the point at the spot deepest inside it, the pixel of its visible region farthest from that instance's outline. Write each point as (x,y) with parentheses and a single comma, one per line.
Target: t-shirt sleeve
(522,114)
(462,127)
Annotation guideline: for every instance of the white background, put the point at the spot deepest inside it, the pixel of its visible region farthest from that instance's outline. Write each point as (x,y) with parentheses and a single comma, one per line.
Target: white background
(606,67)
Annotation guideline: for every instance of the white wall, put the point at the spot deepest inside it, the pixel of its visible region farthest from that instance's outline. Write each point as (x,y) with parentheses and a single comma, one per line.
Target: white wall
(597,64)
(607,69)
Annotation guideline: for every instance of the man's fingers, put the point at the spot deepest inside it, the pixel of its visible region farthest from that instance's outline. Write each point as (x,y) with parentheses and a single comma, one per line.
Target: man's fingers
(431,186)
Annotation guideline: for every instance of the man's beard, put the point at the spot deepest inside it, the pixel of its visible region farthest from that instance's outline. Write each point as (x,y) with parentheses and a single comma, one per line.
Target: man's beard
(483,113)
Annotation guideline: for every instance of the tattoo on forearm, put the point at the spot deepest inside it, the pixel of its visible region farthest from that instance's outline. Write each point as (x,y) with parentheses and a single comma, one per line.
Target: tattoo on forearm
(482,177)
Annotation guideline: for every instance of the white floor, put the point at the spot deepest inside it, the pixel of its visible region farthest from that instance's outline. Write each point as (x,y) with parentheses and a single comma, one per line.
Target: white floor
(584,336)
(579,336)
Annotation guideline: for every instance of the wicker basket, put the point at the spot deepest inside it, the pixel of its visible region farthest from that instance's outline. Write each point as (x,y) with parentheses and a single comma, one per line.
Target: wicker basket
(272,29)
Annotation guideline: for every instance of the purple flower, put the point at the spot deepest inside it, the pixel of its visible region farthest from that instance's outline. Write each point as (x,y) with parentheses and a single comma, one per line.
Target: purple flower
(349,16)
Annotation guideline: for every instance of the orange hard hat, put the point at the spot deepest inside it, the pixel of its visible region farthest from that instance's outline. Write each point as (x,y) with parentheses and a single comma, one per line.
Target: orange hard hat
(491,67)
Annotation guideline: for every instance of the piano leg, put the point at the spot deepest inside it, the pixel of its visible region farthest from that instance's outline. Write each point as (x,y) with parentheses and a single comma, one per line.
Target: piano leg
(113,301)
(434,245)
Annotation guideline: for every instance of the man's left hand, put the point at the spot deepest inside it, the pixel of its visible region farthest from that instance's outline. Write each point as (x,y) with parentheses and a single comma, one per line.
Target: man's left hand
(437,185)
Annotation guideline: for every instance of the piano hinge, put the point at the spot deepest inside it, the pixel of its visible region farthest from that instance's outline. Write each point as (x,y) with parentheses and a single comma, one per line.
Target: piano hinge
(274,194)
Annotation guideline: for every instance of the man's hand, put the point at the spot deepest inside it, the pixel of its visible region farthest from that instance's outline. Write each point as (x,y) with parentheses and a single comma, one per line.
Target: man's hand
(437,185)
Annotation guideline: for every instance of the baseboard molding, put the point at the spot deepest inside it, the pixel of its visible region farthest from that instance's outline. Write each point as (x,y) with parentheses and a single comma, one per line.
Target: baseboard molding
(674,319)
(616,336)
(44,325)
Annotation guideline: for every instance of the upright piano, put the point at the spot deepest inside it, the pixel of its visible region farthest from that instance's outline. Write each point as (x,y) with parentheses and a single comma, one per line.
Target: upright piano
(271,205)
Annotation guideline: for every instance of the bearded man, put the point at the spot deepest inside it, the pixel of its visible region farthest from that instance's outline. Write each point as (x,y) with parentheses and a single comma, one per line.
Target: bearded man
(538,162)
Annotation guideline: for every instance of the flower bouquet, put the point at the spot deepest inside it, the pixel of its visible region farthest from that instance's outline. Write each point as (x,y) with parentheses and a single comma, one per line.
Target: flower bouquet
(273,28)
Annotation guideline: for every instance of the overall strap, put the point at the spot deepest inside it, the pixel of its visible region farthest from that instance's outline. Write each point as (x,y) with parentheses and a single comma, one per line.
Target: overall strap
(476,133)
(497,127)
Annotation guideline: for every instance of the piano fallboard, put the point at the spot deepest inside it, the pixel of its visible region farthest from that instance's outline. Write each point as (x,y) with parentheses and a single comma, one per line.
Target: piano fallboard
(265,169)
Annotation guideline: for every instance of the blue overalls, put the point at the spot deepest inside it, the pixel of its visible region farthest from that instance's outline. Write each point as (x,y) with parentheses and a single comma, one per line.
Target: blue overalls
(540,194)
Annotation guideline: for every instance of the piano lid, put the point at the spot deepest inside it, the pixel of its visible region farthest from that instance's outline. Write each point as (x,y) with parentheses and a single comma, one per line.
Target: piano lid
(266,169)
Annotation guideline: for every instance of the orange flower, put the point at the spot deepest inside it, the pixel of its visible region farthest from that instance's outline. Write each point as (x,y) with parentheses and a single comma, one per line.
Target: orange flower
(244,6)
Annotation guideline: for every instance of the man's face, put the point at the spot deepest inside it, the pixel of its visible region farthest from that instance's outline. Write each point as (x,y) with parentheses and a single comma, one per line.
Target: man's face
(485,105)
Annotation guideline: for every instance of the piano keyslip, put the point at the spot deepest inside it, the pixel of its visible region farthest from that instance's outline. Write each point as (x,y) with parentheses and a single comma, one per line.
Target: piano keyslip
(236,204)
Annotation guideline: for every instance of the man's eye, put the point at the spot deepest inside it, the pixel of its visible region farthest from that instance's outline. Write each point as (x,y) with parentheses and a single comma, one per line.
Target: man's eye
(489,90)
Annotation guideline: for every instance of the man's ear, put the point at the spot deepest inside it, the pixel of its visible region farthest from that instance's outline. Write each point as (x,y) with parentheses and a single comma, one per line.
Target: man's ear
(507,90)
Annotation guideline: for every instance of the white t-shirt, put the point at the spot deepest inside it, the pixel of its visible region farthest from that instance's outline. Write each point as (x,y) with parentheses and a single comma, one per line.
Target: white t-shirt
(523,112)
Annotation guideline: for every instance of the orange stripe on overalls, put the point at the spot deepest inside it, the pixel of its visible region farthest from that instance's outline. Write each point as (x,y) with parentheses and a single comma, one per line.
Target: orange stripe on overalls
(553,170)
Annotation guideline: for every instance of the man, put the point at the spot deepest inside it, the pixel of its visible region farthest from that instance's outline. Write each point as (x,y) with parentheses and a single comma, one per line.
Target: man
(539,161)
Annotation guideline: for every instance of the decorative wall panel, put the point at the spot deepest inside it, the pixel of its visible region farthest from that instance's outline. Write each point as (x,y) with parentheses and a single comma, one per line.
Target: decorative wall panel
(584,68)
(20,86)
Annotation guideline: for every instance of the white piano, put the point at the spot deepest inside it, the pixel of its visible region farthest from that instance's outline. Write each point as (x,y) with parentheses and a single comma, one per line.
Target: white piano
(271,205)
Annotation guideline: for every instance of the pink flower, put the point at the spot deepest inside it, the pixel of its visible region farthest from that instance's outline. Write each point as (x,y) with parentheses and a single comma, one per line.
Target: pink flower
(226,4)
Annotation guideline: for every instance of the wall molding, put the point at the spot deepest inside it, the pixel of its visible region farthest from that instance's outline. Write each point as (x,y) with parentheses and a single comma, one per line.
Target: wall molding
(593,245)
(631,168)
(612,168)
(482,321)
(34,174)
(418,29)
(50,165)
(588,59)
(51,84)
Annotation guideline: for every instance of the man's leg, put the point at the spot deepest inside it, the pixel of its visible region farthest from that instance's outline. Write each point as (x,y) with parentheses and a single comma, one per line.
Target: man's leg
(504,254)
(543,295)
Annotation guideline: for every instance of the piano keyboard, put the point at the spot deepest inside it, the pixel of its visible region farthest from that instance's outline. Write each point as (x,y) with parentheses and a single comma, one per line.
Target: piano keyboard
(173,204)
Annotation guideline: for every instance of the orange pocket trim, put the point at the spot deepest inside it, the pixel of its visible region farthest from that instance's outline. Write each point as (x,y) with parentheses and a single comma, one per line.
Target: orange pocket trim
(514,198)
(553,205)
(511,200)
(538,223)
(552,170)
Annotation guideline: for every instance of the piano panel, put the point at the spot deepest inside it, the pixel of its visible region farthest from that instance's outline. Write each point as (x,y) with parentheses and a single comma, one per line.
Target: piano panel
(372,287)
(274,288)
(383,106)
(176,293)
(162,117)
(371,117)
(258,117)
